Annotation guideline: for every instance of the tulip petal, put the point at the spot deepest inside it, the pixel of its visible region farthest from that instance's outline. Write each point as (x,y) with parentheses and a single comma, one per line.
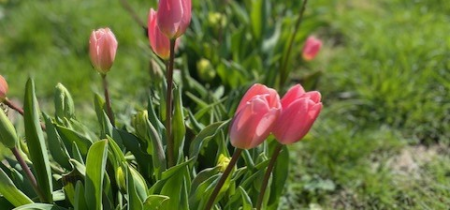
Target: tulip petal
(292,94)
(259,89)
(296,120)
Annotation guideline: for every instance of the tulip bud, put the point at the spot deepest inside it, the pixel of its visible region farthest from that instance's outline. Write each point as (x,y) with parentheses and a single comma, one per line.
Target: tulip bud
(223,162)
(205,70)
(174,17)
(311,48)
(139,122)
(300,110)
(3,88)
(8,135)
(254,118)
(120,179)
(102,49)
(64,107)
(158,41)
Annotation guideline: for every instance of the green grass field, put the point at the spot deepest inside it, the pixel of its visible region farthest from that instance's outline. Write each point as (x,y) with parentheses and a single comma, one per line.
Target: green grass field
(382,139)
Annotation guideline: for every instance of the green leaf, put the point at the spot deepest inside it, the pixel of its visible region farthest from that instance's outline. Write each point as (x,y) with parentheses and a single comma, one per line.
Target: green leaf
(258,16)
(80,201)
(55,144)
(178,198)
(205,135)
(179,128)
(40,206)
(8,135)
(10,192)
(70,136)
(95,172)
(133,145)
(36,143)
(134,201)
(246,201)
(154,202)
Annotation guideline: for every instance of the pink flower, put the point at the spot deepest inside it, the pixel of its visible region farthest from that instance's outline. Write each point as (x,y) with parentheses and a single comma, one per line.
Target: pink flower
(102,49)
(255,116)
(3,88)
(158,41)
(300,110)
(311,48)
(174,17)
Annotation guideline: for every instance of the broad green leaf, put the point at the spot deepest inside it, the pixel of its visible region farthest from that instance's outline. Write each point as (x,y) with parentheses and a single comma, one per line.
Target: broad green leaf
(95,172)
(70,136)
(40,206)
(80,201)
(55,144)
(178,125)
(205,135)
(8,135)
(154,202)
(36,143)
(178,198)
(258,18)
(10,192)
(133,145)
(134,201)
(76,154)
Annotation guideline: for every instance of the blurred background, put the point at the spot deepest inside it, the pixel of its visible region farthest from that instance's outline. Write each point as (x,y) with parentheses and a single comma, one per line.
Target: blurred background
(382,139)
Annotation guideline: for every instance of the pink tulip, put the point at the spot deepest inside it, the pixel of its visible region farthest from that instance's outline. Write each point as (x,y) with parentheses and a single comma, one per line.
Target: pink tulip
(102,49)
(311,48)
(300,110)
(174,17)
(3,88)
(255,117)
(158,41)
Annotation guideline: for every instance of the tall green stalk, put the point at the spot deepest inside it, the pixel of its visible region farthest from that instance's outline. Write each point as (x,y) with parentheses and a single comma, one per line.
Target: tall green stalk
(109,111)
(169,79)
(284,73)
(269,170)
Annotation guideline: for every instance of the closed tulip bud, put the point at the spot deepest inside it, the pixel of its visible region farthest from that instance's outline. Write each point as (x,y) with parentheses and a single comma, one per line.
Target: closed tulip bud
(64,106)
(174,17)
(205,70)
(102,49)
(3,88)
(255,116)
(120,179)
(8,135)
(300,110)
(158,41)
(311,48)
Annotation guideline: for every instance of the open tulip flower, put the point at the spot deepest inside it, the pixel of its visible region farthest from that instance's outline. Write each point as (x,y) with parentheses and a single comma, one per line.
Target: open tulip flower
(102,49)
(255,116)
(174,16)
(299,111)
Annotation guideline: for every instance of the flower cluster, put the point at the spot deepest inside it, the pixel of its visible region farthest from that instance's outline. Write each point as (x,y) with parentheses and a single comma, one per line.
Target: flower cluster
(261,112)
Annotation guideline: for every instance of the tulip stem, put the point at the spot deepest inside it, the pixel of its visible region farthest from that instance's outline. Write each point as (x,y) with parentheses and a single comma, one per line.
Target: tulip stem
(270,167)
(223,178)
(28,173)
(14,106)
(108,101)
(283,71)
(169,78)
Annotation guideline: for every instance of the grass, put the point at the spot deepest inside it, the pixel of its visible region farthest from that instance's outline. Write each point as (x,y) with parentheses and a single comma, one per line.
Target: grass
(381,142)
